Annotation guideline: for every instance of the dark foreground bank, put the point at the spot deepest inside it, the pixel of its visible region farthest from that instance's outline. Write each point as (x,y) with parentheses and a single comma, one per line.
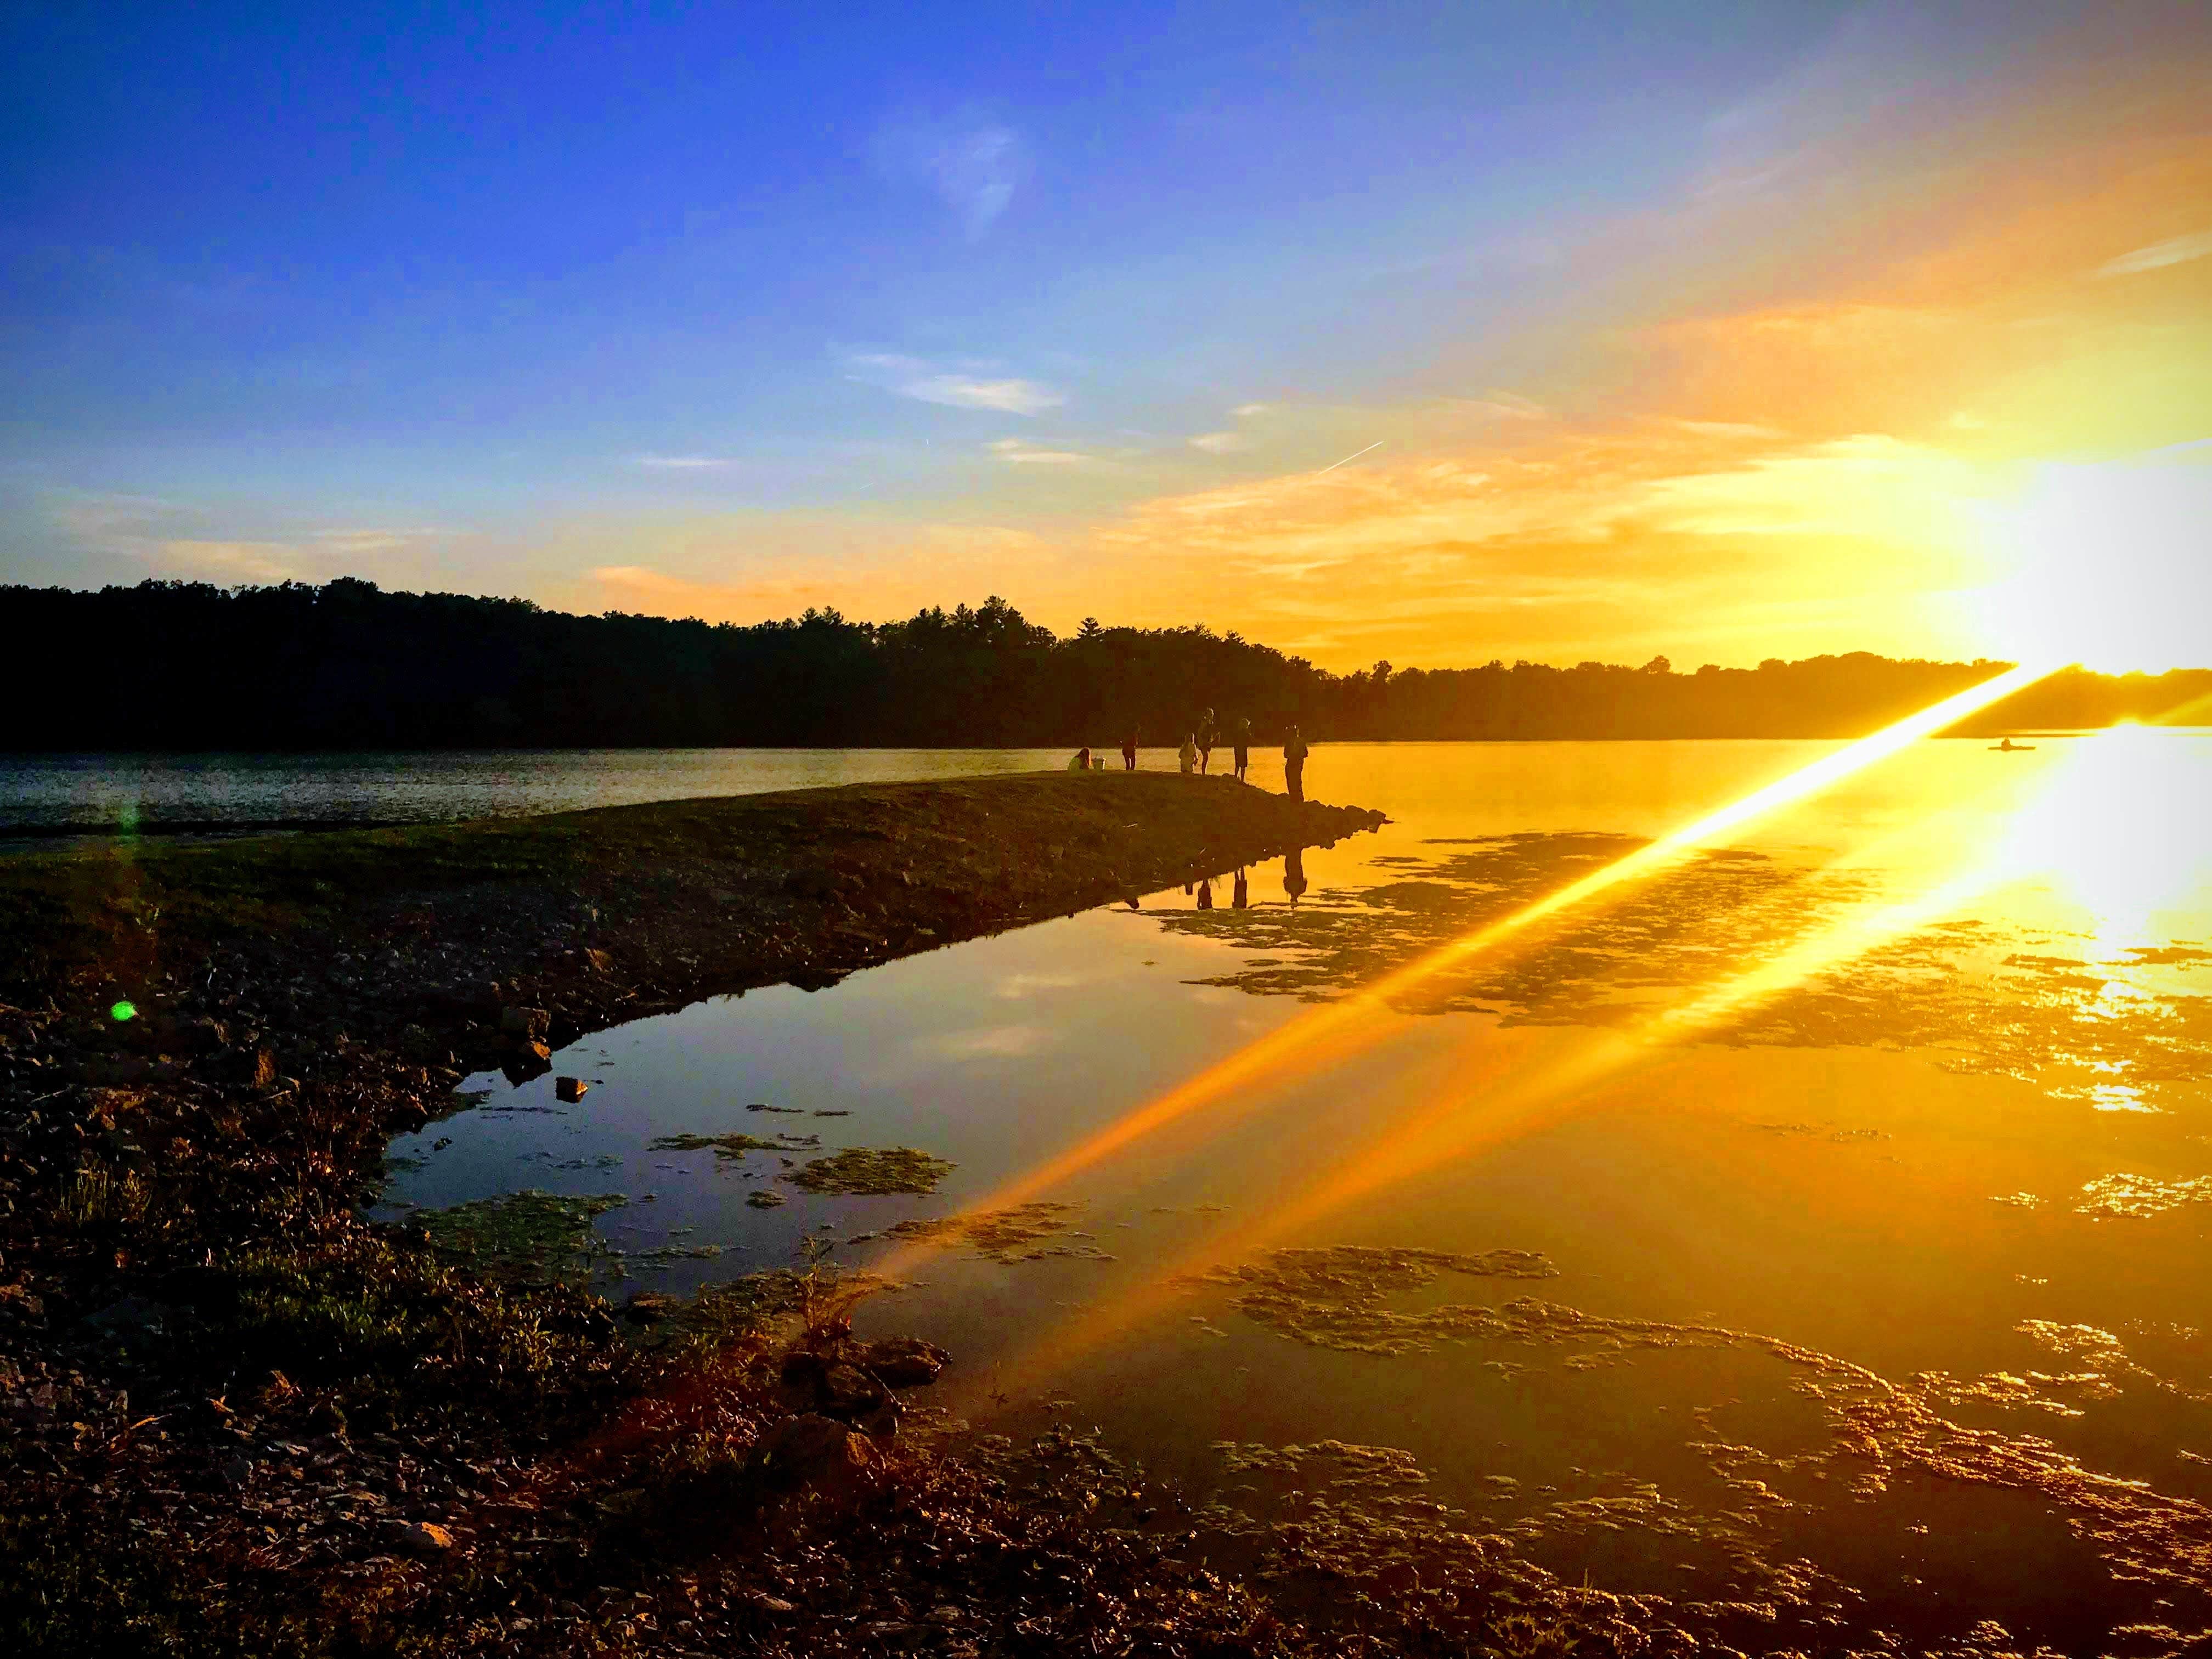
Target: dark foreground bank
(236,1418)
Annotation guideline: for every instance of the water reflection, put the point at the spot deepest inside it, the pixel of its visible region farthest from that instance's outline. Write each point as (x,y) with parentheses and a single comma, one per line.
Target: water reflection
(1756,1242)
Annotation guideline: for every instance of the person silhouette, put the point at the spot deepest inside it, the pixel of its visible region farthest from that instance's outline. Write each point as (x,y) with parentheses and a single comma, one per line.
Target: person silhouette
(1240,895)
(1206,894)
(1187,757)
(1242,731)
(1129,752)
(1294,874)
(1294,765)
(1205,736)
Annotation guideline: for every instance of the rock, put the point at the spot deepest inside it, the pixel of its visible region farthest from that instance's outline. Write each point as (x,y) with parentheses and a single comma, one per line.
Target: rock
(528,1059)
(600,962)
(569,1088)
(424,1538)
(881,1424)
(809,1450)
(846,1391)
(525,1022)
(902,1361)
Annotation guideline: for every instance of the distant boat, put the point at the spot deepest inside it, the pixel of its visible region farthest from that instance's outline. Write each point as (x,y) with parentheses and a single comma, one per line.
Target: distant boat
(2009,747)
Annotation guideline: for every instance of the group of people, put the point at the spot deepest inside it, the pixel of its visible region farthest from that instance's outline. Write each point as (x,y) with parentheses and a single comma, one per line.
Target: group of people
(1196,754)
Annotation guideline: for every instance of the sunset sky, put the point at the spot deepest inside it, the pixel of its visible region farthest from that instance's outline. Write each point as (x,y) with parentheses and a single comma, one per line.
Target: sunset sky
(1724,332)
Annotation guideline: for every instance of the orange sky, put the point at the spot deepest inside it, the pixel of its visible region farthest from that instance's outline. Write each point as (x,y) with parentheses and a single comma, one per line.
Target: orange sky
(1860,461)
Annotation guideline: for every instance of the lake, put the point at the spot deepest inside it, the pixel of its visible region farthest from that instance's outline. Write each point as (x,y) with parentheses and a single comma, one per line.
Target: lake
(1809,1235)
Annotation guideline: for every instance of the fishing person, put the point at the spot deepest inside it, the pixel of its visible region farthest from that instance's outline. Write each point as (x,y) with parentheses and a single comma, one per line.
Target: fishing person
(1294,765)
(1129,752)
(1205,739)
(1243,745)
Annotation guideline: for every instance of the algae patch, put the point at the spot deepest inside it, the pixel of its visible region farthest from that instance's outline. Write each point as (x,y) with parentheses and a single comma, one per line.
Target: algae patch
(1026,1232)
(529,1235)
(1333,1297)
(872,1171)
(736,1145)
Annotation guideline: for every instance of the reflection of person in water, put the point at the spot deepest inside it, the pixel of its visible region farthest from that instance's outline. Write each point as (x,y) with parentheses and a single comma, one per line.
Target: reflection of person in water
(1294,873)
(1133,905)
(1240,895)
(1206,894)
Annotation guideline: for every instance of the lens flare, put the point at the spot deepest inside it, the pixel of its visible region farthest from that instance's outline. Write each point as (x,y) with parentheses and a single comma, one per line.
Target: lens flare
(1331,1034)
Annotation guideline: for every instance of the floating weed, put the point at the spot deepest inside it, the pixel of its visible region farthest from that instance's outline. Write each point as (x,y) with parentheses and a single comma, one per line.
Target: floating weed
(528,1235)
(766,1198)
(872,1171)
(1027,1232)
(735,1145)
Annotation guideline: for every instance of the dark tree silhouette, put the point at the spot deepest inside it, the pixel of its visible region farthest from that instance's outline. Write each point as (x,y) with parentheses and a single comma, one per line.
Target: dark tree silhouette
(180,665)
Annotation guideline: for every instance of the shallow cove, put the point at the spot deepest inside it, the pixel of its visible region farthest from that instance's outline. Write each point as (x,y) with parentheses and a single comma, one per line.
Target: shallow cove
(1840,1313)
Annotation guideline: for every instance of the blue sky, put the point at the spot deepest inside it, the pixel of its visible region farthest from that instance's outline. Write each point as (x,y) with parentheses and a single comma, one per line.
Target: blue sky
(481,304)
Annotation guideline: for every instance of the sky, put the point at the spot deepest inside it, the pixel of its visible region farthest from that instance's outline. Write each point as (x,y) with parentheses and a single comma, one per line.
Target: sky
(1437,333)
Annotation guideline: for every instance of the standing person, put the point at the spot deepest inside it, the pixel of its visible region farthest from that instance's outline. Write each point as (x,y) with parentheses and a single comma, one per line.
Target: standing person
(1129,752)
(1187,755)
(1205,739)
(1243,731)
(1294,765)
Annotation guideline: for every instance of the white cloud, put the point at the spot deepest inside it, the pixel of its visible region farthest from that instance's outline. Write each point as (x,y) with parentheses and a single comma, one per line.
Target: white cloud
(970,162)
(684,463)
(375,541)
(1023,453)
(956,387)
(2175,250)
(1220,443)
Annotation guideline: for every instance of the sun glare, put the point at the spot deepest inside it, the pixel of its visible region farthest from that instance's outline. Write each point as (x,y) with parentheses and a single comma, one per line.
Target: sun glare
(2112,564)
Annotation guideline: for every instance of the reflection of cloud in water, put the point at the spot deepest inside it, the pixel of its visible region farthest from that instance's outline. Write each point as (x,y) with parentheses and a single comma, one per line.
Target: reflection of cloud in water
(1013,988)
(1992,995)
(990,1043)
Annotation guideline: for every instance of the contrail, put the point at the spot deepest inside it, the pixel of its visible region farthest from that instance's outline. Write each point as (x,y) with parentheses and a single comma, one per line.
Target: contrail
(1354,456)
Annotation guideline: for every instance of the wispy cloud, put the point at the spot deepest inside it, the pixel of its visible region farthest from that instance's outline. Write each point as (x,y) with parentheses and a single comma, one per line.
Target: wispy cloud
(955,386)
(2175,250)
(1023,453)
(972,163)
(684,463)
(1220,443)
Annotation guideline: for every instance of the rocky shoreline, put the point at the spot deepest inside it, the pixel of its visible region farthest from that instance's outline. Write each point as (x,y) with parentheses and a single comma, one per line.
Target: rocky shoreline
(234,1417)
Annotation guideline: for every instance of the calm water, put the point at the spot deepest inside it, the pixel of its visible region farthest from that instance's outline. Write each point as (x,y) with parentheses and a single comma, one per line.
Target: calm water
(1862,1168)
(112,792)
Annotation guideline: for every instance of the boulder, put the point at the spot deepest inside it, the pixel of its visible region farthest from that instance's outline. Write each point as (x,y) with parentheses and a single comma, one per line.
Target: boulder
(902,1361)
(424,1538)
(524,1022)
(569,1088)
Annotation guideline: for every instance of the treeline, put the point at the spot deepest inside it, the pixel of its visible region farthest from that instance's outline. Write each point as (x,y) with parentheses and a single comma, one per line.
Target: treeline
(179,666)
